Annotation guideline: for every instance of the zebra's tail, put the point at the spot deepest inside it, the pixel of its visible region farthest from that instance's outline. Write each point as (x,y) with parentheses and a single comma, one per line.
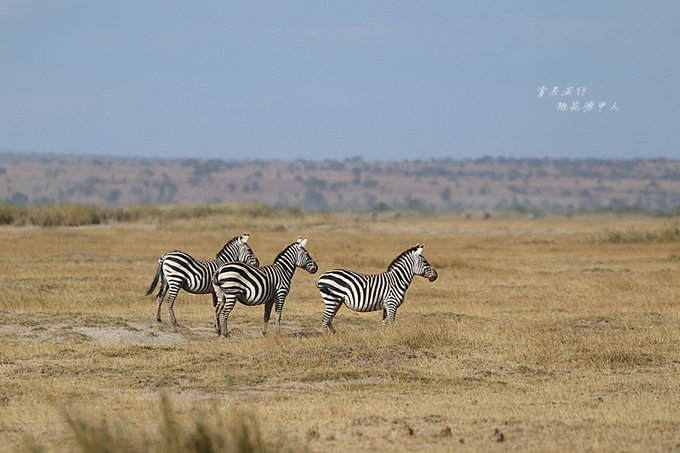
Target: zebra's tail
(156,278)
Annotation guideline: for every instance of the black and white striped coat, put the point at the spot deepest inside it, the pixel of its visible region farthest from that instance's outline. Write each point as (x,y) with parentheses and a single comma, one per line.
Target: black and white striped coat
(370,292)
(268,285)
(178,270)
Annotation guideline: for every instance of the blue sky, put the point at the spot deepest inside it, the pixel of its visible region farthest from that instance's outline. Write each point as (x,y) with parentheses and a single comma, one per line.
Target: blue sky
(329,80)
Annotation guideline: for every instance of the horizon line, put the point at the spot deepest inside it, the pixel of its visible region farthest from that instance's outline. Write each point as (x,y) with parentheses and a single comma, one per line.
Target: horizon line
(357,158)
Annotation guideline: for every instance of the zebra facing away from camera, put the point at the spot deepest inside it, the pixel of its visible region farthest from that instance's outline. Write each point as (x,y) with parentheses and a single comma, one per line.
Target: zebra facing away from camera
(178,270)
(362,292)
(268,285)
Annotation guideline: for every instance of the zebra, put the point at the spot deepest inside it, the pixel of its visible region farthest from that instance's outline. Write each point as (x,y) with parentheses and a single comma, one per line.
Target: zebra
(362,292)
(268,285)
(178,270)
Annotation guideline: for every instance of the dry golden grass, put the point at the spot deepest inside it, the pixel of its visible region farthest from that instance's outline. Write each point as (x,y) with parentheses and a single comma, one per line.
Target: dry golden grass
(543,330)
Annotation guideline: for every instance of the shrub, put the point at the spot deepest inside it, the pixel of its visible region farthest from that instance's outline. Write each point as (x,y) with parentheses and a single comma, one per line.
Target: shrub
(667,233)
(67,215)
(77,215)
(12,214)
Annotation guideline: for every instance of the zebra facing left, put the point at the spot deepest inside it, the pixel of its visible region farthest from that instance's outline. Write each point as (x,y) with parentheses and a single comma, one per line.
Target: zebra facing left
(371,292)
(178,270)
(268,285)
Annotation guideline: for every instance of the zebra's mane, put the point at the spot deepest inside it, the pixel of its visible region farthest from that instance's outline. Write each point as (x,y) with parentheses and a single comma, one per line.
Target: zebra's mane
(400,257)
(283,252)
(231,242)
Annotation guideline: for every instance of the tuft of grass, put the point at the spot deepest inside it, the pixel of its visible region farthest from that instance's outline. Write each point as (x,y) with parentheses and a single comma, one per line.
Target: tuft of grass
(239,433)
(431,336)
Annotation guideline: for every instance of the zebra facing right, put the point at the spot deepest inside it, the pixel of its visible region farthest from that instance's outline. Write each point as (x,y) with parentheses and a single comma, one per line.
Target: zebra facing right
(178,270)
(364,292)
(268,285)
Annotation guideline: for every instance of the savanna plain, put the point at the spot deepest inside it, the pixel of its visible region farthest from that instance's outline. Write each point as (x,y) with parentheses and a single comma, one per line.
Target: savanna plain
(548,334)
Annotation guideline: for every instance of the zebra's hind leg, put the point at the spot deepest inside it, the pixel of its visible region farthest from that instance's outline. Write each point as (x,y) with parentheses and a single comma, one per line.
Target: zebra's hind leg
(172,295)
(267,314)
(159,298)
(329,327)
(222,313)
(218,300)
(332,307)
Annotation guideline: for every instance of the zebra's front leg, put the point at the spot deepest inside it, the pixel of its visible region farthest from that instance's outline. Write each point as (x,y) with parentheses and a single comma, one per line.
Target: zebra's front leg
(267,314)
(389,314)
(172,295)
(279,308)
(216,320)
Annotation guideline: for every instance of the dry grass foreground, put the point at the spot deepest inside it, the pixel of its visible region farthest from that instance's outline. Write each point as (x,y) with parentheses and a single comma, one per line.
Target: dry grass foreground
(539,335)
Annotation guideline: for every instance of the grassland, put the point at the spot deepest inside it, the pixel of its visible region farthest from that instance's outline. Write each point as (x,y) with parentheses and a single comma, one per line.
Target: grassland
(551,334)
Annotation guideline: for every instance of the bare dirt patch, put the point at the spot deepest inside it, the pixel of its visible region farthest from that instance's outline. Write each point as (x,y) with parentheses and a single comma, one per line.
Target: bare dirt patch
(40,328)
(119,335)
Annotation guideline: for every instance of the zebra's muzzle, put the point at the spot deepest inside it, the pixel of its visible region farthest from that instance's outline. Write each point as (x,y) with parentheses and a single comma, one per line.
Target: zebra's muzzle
(313,268)
(434,276)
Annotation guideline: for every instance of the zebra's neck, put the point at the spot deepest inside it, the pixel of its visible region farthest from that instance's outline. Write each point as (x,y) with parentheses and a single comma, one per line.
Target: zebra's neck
(402,270)
(286,261)
(228,253)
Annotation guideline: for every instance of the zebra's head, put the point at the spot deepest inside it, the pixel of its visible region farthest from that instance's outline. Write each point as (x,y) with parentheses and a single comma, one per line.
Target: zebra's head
(238,250)
(421,266)
(304,259)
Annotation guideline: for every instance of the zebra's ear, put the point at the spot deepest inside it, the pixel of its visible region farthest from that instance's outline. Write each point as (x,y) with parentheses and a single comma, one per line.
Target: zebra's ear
(245,237)
(419,249)
(304,242)
(299,239)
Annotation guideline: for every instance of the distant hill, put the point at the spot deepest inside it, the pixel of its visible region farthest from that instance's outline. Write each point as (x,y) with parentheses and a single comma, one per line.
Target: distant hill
(481,184)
